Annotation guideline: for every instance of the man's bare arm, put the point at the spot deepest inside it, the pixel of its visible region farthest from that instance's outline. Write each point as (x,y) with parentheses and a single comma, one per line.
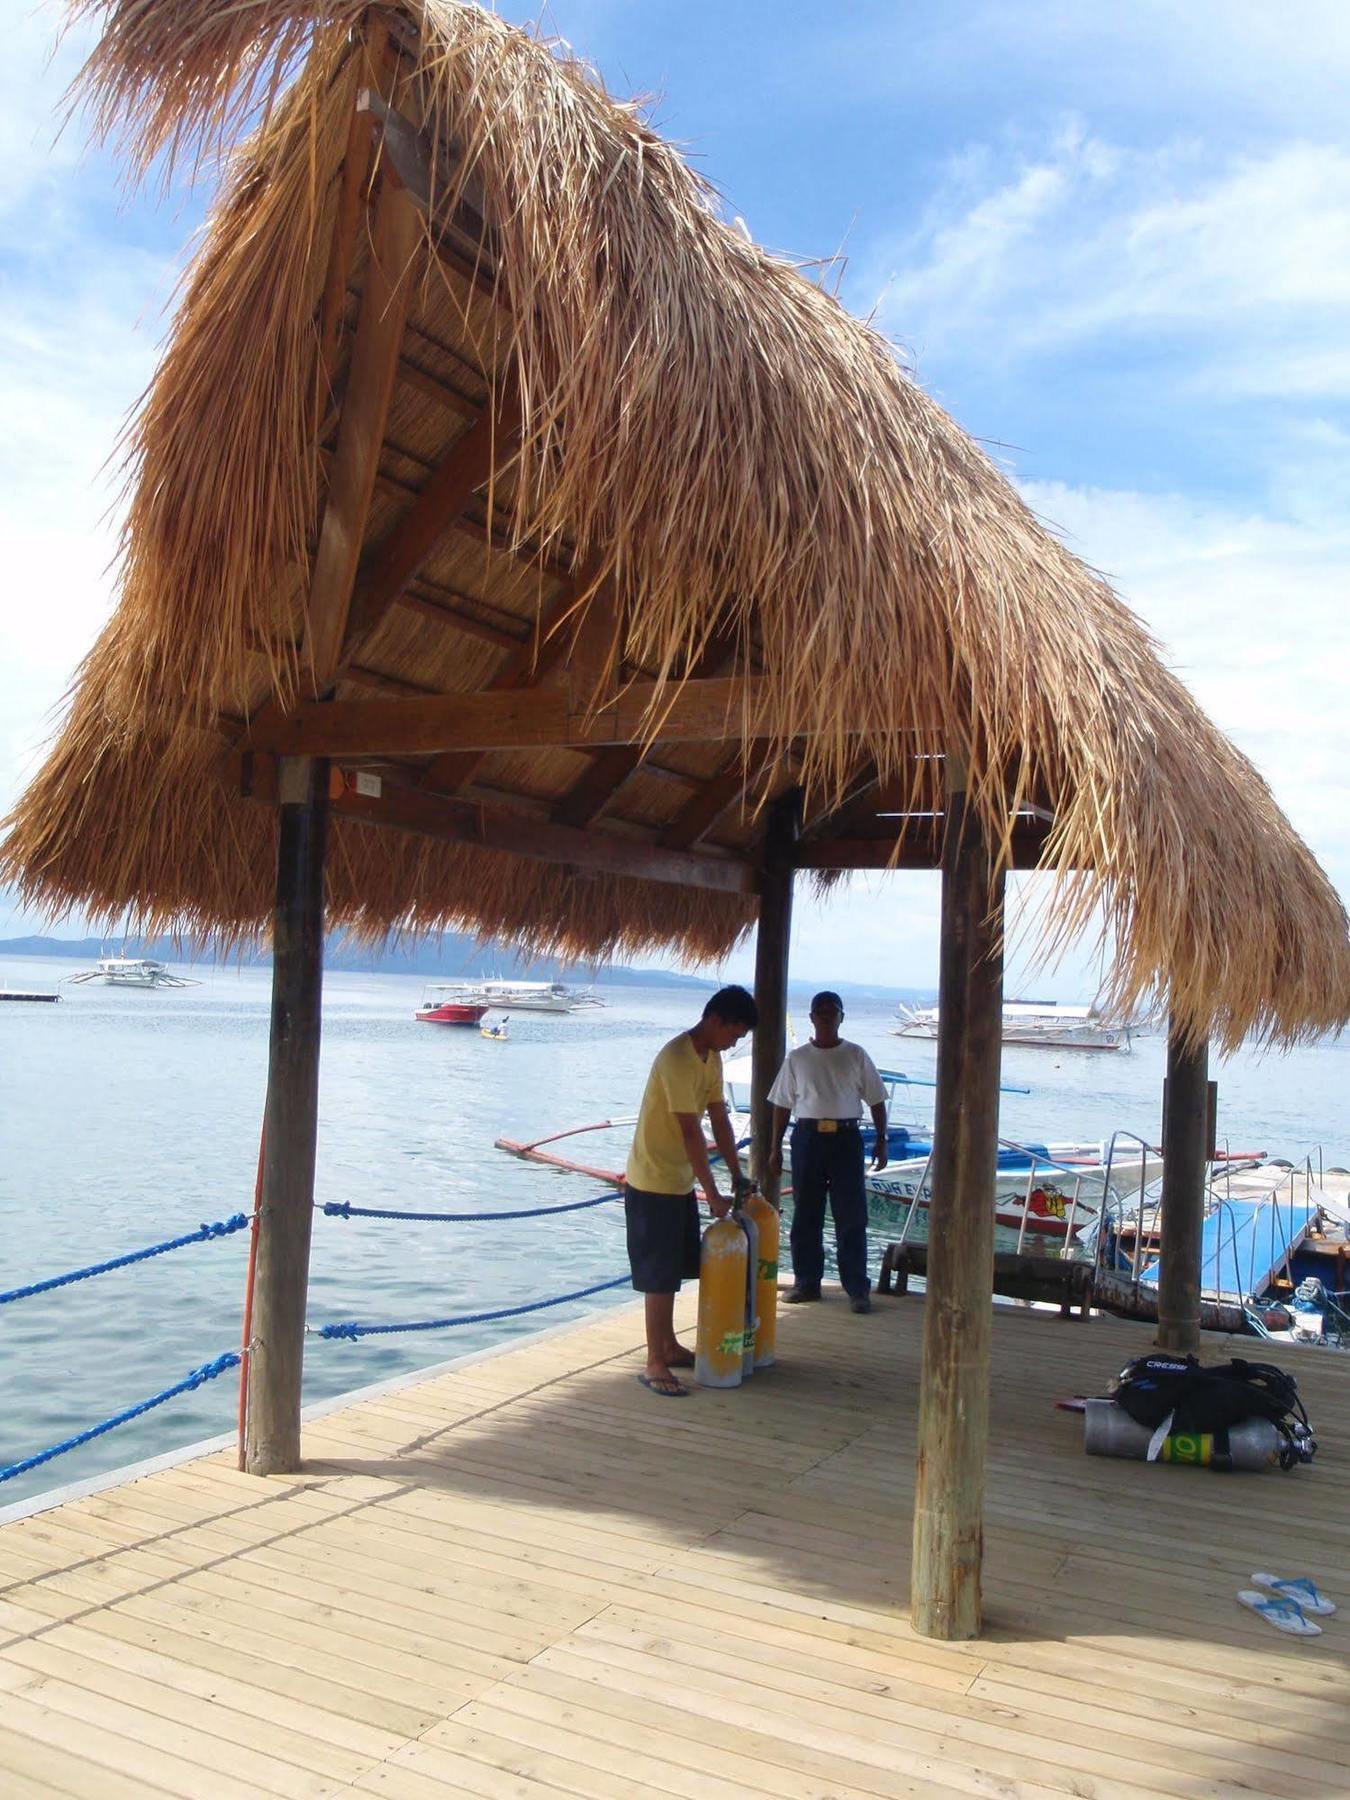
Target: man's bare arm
(725,1139)
(696,1149)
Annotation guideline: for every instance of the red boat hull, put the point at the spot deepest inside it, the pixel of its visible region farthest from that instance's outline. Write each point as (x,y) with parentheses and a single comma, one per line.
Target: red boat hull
(452,1014)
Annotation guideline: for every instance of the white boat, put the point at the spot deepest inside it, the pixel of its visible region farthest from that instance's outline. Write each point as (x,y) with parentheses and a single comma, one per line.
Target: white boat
(132,972)
(535,996)
(1039,1024)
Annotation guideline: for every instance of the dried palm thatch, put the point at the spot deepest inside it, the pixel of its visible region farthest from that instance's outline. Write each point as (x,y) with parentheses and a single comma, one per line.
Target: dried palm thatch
(704,429)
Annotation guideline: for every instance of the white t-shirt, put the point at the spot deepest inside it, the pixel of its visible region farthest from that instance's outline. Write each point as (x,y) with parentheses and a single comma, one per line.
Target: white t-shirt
(827,1084)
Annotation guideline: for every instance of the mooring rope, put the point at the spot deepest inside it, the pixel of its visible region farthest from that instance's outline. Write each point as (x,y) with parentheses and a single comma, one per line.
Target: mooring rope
(207,1372)
(343,1209)
(354,1329)
(203,1234)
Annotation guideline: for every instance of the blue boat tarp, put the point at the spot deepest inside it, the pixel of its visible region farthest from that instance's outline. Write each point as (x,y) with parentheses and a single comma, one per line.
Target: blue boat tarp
(1246,1244)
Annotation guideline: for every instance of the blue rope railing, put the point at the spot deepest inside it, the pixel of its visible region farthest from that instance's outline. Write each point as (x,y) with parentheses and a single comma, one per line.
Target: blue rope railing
(354,1329)
(343,1209)
(203,1234)
(207,1372)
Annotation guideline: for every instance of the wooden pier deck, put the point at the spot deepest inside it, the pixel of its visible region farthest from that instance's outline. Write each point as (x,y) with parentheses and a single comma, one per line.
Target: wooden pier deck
(524,1577)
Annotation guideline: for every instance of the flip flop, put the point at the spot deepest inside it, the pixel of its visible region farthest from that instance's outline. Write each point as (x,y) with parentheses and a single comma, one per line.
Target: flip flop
(675,1390)
(1303,1592)
(1284,1615)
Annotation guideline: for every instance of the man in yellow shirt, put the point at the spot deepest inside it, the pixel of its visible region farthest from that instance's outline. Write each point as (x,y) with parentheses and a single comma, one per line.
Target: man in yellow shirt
(668,1155)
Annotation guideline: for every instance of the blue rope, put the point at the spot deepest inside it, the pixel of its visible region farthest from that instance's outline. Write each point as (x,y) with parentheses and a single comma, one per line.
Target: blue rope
(354,1330)
(343,1209)
(207,1372)
(222,1228)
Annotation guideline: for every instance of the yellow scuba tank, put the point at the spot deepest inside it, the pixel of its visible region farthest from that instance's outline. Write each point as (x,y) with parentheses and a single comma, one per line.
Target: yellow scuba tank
(719,1350)
(766,1279)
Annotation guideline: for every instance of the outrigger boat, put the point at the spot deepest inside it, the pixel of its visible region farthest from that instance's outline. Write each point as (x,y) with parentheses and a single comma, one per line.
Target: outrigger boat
(132,972)
(1052,1193)
(1034,1024)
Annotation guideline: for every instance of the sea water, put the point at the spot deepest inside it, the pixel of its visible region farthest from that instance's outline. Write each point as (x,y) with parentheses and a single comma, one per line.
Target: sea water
(128,1117)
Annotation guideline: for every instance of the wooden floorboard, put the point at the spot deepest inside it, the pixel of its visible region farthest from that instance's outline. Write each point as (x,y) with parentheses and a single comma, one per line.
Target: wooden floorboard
(528,1577)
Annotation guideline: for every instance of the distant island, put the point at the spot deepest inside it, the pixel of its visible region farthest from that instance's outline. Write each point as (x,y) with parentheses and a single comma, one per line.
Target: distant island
(451,954)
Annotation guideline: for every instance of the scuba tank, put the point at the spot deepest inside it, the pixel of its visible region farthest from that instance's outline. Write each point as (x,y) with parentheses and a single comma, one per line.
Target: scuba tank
(751,1230)
(767,1223)
(719,1352)
(1110,1431)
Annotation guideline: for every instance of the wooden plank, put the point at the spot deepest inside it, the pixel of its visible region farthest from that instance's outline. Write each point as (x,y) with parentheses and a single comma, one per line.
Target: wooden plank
(365,408)
(517,719)
(958,1310)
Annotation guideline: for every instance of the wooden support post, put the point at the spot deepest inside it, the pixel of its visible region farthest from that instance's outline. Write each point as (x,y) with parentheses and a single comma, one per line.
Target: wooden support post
(1185,1145)
(958,1314)
(286,1215)
(771,973)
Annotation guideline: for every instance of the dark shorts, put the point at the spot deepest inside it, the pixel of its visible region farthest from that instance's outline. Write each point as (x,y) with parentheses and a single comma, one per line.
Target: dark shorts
(663,1240)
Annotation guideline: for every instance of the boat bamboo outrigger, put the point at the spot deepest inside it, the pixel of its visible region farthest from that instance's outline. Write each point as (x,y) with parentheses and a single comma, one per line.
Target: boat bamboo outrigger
(496,508)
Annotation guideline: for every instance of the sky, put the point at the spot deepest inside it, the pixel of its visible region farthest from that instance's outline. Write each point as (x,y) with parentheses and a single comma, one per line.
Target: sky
(1113,241)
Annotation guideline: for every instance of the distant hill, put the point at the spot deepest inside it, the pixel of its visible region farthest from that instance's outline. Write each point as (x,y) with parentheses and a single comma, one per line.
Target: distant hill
(451,954)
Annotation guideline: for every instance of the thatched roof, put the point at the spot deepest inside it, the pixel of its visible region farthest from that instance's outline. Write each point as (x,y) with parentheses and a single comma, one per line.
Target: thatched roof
(639,425)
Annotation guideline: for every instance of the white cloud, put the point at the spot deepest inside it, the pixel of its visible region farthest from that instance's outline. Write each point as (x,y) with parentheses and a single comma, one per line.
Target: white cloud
(1253,612)
(1242,263)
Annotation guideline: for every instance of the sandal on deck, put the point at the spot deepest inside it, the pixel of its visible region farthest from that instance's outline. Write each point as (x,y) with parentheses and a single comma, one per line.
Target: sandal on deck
(1304,1593)
(676,1390)
(1284,1615)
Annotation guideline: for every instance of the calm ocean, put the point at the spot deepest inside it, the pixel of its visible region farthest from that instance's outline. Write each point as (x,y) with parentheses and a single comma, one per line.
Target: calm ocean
(126,1118)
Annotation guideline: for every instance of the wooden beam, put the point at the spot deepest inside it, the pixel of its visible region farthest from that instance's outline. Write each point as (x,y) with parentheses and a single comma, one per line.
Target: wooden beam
(456,821)
(772,937)
(523,719)
(1185,1147)
(286,1212)
(465,467)
(958,1307)
(365,408)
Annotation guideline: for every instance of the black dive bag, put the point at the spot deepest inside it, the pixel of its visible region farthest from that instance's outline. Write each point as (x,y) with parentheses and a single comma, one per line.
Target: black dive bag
(1194,1399)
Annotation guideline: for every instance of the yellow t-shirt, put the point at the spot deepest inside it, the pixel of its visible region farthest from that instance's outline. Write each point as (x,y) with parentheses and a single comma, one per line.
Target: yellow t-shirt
(681,1081)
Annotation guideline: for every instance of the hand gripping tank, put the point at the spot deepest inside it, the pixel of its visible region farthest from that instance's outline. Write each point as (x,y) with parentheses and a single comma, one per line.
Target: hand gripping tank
(766,1280)
(719,1352)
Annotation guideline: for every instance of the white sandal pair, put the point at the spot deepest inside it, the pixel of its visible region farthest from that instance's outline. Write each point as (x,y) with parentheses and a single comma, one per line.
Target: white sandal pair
(1286,1604)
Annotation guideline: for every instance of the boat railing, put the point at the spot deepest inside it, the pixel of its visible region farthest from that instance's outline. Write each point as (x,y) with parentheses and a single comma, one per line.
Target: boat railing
(1042,1164)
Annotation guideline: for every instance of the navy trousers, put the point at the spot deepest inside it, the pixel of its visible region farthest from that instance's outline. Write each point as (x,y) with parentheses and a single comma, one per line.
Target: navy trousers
(829,1166)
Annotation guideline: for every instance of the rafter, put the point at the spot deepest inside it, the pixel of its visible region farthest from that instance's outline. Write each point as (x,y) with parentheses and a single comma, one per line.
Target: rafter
(365,408)
(721,791)
(523,719)
(463,469)
(601,784)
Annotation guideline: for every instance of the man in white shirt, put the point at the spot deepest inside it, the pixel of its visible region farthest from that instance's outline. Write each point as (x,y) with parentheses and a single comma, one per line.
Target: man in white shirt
(823,1086)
